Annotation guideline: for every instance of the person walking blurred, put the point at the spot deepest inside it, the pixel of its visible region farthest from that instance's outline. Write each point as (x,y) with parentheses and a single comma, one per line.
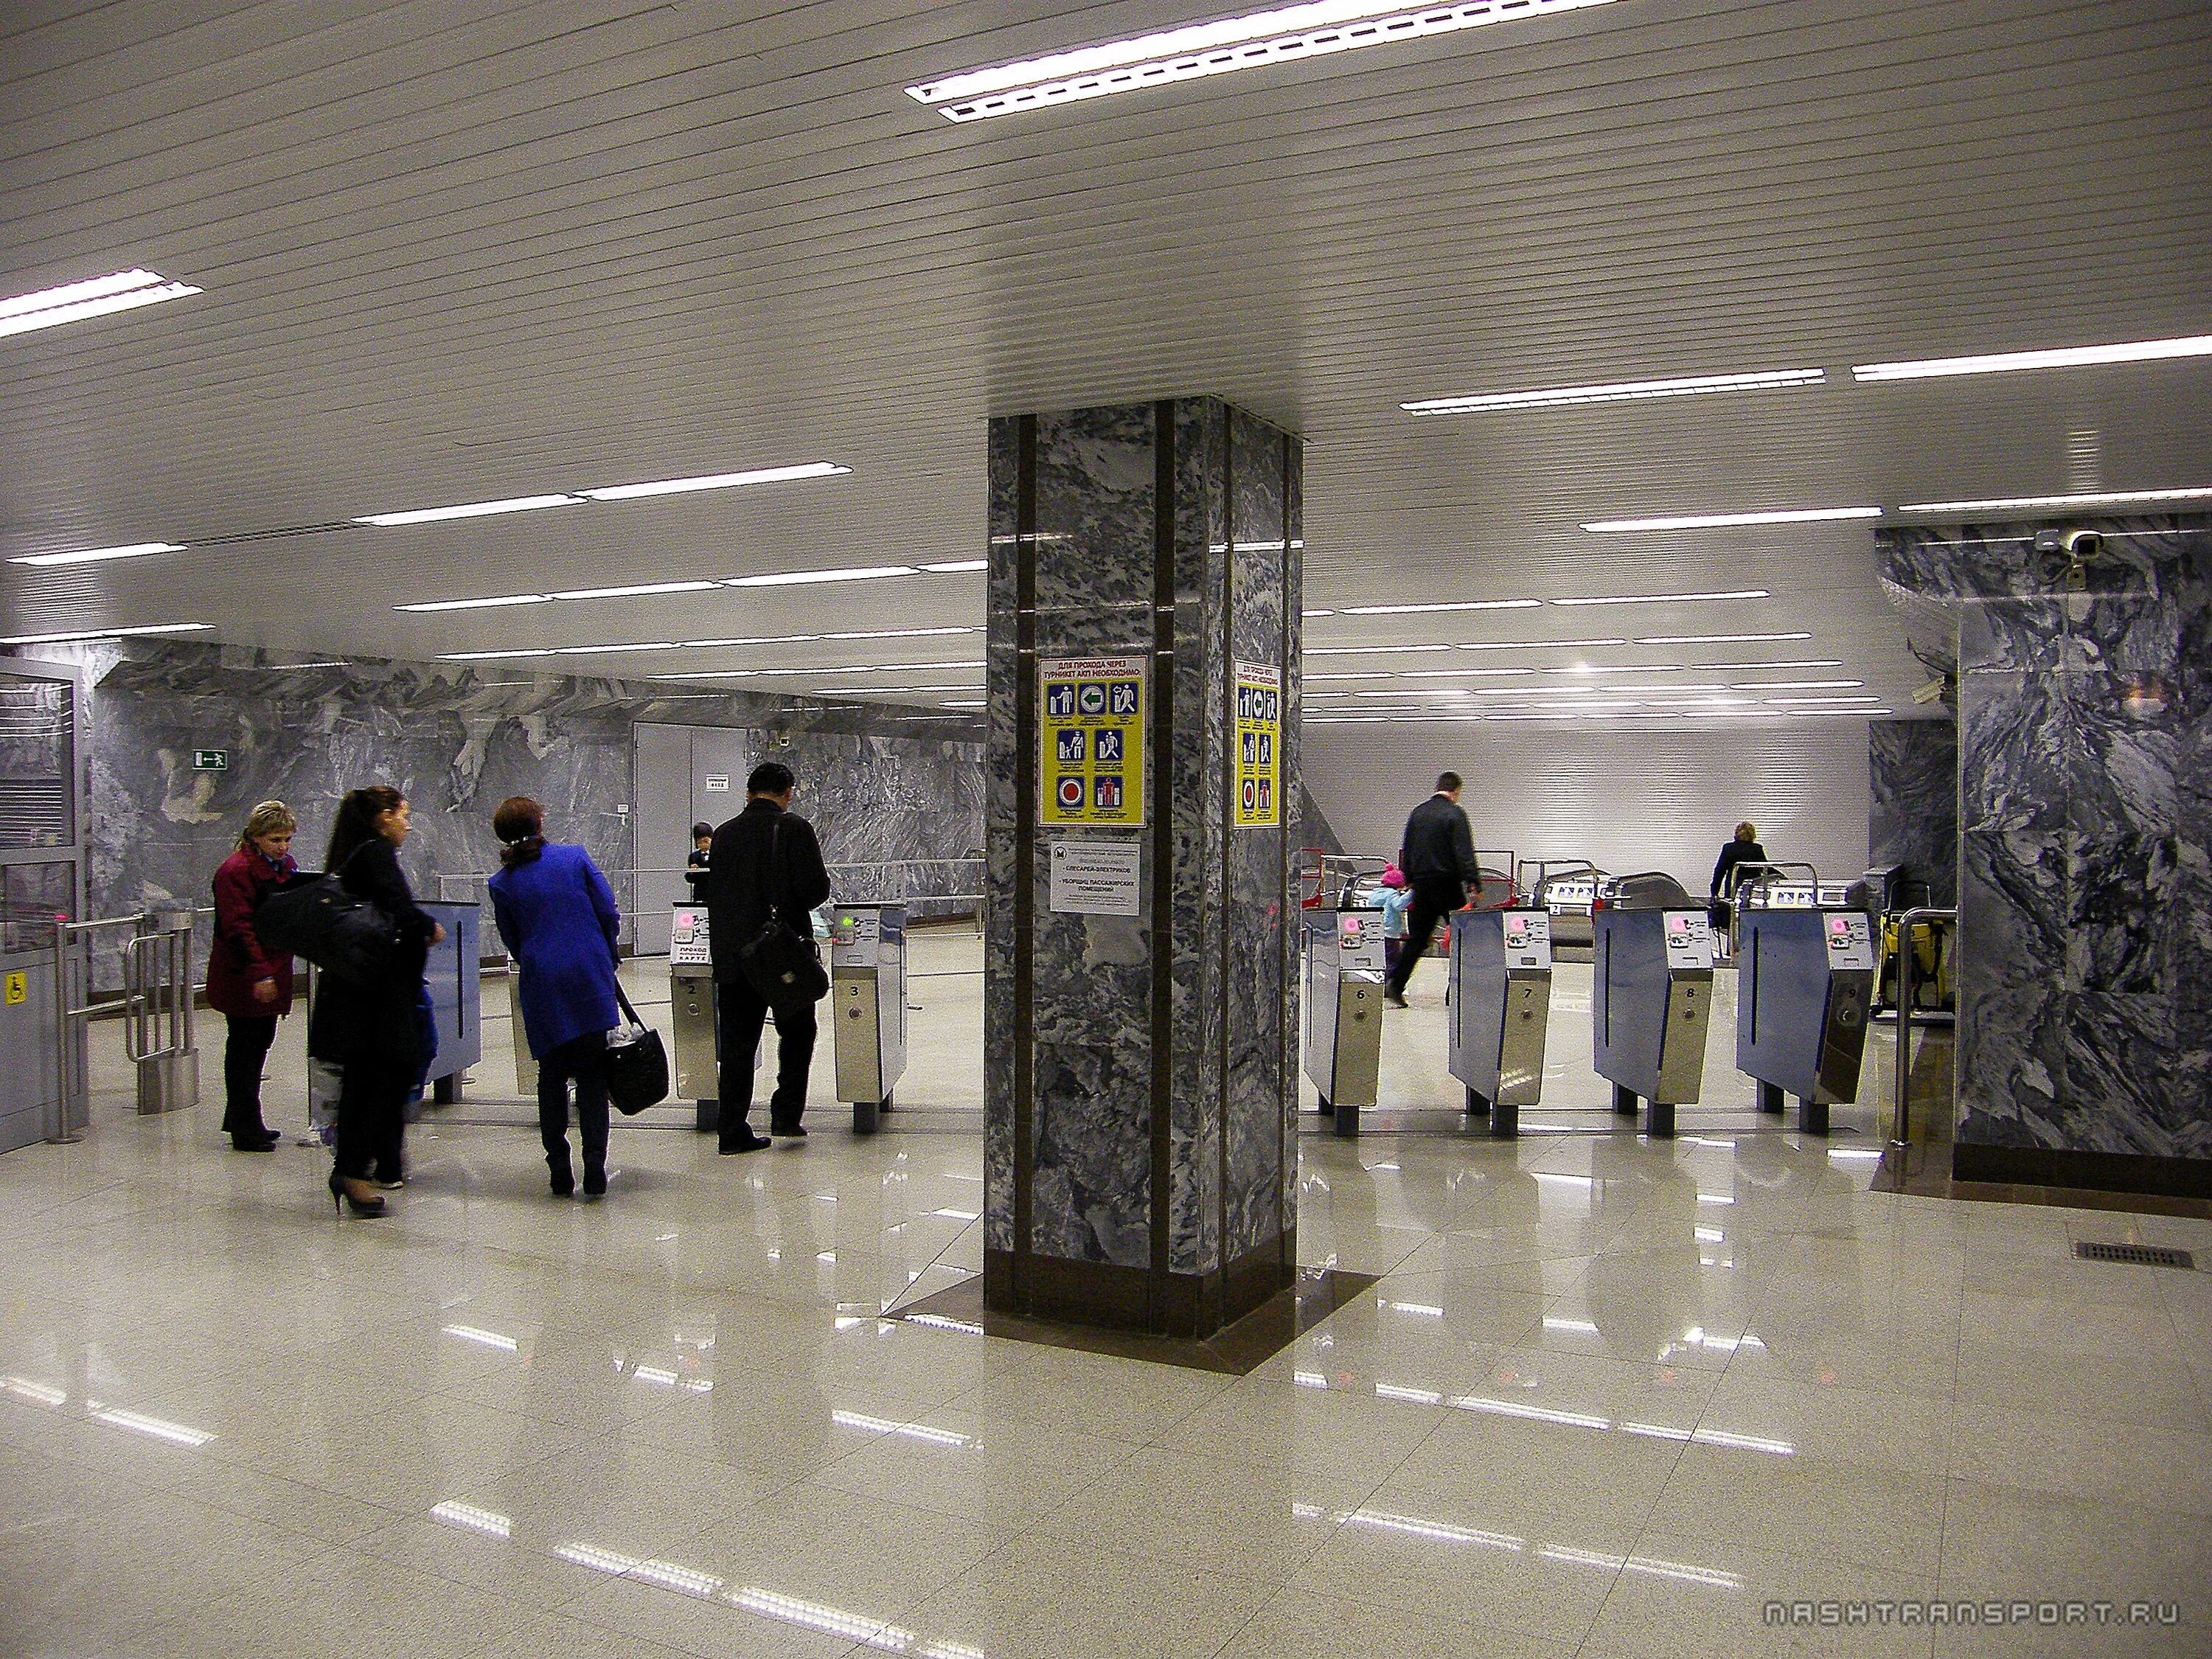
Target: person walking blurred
(560,924)
(1437,857)
(373,1029)
(764,861)
(249,986)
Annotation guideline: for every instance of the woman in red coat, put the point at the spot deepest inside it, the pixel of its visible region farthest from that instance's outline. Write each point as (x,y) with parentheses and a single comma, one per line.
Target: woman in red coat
(250,987)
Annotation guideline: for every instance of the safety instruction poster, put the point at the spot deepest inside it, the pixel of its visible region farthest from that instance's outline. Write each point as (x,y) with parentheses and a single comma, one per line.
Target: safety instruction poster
(1259,746)
(1090,740)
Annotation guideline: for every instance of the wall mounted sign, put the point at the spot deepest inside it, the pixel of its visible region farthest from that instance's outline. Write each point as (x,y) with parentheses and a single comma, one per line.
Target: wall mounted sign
(1090,741)
(1259,739)
(1098,878)
(717,784)
(211,759)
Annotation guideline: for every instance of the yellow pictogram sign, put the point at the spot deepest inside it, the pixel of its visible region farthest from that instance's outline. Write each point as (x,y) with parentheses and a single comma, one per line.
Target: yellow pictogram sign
(1259,740)
(18,989)
(1090,740)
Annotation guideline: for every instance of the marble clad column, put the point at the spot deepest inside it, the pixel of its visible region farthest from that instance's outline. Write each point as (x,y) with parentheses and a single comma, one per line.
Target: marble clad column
(1141,1071)
(2085,883)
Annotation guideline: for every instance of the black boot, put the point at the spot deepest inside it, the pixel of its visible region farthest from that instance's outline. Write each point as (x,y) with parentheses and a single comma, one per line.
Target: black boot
(564,1181)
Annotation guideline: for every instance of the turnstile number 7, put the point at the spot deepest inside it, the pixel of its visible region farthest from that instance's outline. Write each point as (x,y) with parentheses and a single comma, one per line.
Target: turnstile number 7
(1501,1010)
(867,1001)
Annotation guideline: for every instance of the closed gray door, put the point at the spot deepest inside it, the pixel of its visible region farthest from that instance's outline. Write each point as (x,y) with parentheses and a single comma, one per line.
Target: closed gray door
(685,775)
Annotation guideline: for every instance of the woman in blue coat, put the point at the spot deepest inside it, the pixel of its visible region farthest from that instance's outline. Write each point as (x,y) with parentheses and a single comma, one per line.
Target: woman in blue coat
(558,917)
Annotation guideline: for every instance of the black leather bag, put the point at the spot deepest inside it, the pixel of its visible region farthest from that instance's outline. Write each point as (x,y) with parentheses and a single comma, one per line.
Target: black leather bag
(343,934)
(636,1064)
(783,965)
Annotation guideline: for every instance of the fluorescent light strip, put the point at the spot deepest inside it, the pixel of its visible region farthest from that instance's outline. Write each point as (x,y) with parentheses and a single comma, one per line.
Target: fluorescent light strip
(1863,714)
(1423,610)
(491,602)
(1785,702)
(1795,685)
(105,634)
(492,656)
(2137,351)
(901,633)
(636,590)
(1725,521)
(1540,645)
(1625,392)
(2015,503)
(1719,639)
(468,510)
(1667,599)
(591,650)
(1622,668)
(98,555)
(1367,650)
(1216,47)
(97,296)
(715,481)
(796,578)
(1461,673)
(955,567)
(1757,667)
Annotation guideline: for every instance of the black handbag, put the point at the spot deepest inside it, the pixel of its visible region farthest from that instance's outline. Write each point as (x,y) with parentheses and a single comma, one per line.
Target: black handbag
(636,1063)
(341,932)
(783,965)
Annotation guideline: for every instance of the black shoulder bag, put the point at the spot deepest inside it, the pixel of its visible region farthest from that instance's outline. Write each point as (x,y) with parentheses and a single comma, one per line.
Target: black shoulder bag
(636,1063)
(783,964)
(340,931)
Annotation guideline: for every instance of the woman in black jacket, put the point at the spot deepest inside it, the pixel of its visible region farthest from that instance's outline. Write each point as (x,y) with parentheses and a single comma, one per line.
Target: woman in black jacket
(371,1028)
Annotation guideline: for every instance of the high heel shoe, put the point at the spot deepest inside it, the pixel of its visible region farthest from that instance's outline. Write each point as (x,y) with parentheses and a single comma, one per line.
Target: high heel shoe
(344,1192)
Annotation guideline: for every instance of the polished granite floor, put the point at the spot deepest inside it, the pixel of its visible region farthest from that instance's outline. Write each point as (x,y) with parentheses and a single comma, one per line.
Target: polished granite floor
(1607,1397)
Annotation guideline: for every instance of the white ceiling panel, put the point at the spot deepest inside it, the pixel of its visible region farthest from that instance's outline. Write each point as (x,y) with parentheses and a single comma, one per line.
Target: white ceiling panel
(464,250)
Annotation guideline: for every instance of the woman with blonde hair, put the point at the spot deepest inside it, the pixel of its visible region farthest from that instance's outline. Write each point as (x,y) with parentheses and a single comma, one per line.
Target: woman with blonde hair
(249,986)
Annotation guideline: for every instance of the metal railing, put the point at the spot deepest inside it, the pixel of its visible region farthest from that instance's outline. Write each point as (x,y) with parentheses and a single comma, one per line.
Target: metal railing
(155,1005)
(1908,996)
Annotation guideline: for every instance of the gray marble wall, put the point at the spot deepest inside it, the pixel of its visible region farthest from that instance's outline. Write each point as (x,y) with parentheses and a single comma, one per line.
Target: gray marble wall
(1912,801)
(457,740)
(2085,981)
(1092,1100)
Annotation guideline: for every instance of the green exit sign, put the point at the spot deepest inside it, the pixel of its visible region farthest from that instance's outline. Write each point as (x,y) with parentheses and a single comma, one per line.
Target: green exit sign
(211,759)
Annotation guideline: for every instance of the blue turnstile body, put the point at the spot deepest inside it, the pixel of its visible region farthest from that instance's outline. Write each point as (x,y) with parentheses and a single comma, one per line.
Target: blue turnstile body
(1804,984)
(454,971)
(1651,994)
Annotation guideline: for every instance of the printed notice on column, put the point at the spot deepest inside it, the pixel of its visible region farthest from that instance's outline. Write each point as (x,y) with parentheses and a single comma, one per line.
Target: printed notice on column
(1090,742)
(1259,746)
(1098,878)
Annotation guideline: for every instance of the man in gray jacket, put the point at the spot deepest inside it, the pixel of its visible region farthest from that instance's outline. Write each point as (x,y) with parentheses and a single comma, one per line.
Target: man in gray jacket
(1437,858)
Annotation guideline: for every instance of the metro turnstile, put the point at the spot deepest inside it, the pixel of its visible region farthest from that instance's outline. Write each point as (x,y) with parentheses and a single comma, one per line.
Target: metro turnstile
(452,972)
(1651,995)
(1501,1008)
(692,1008)
(1344,1010)
(867,1001)
(1804,981)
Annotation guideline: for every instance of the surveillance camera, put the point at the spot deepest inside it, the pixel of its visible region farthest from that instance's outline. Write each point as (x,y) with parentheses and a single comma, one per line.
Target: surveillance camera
(2082,546)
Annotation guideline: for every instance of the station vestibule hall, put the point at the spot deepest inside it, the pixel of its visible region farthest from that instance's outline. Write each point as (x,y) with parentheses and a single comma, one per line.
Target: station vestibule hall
(1108,831)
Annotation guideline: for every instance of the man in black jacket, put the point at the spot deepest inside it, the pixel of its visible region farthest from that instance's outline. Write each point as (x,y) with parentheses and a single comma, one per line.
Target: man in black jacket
(1437,858)
(766,859)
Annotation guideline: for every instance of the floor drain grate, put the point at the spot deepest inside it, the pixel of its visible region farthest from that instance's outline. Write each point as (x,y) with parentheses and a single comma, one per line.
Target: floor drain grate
(2144,1255)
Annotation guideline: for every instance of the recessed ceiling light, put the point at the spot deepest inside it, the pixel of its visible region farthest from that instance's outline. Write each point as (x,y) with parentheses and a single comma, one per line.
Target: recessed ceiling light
(491,602)
(901,633)
(593,650)
(1316,613)
(963,705)
(1417,609)
(98,555)
(1540,645)
(97,296)
(1723,520)
(1417,691)
(1458,673)
(469,510)
(635,590)
(1757,667)
(1622,668)
(105,634)
(1667,599)
(1379,674)
(1367,650)
(878,668)
(713,674)
(1719,639)
(2138,351)
(799,577)
(763,638)
(1785,702)
(2102,498)
(715,481)
(492,656)
(1625,392)
(1795,685)
(1216,47)
(1600,690)
(1863,714)
(953,566)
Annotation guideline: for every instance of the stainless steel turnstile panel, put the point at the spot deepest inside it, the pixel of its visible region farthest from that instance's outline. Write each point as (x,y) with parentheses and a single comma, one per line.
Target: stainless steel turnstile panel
(1804,984)
(1501,1006)
(1651,1002)
(1344,1010)
(867,1005)
(692,1010)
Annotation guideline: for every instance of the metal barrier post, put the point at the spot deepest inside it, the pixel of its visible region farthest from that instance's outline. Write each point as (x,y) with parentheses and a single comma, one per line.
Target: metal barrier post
(1908,996)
